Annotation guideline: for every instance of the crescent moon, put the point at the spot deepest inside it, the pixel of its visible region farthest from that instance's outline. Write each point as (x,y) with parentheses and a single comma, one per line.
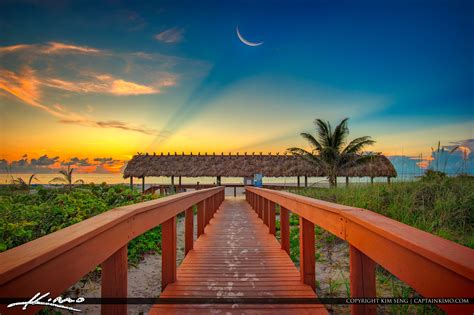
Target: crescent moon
(246,42)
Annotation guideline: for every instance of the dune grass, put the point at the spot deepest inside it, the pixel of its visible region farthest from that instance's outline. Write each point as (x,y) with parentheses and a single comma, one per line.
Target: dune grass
(442,206)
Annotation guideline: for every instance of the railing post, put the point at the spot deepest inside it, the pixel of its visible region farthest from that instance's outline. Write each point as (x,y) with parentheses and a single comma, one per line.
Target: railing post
(307,253)
(285,229)
(271,217)
(114,281)
(168,252)
(189,230)
(200,217)
(259,206)
(362,275)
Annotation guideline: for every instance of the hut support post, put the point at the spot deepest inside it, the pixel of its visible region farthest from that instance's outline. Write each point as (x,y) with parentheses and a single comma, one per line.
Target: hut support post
(298,180)
(143,184)
(235,191)
(172,180)
(388,180)
(179,181)
(131,182)
(306,181)
(347,181)
(218,180)
(371,180)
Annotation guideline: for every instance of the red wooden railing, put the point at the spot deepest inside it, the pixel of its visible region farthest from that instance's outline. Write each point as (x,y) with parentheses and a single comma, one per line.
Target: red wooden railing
(58,260)
(433,266)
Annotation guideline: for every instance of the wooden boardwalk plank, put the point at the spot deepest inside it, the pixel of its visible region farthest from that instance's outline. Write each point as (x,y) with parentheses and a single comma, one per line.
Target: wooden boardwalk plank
(237,257)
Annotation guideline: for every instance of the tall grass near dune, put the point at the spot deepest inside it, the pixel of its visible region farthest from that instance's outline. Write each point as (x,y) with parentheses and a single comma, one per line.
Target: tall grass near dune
(443,206)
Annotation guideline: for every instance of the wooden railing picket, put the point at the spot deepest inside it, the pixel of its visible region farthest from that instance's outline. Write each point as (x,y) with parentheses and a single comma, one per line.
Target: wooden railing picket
(271,217)
(265,212)
(285,229)
(188,230)
(201,206)
(168,252)
(260,207)
(307,253)
(114,281)
(362,280)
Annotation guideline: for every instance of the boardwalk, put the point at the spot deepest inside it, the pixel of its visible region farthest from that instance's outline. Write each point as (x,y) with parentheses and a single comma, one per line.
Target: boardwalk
(236,257)
(237,266)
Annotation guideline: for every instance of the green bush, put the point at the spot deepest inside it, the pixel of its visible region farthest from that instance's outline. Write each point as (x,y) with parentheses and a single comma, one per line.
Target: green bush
(27,216)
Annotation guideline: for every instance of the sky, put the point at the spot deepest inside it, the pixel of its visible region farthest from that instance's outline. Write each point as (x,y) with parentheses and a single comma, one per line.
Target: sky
(91,83)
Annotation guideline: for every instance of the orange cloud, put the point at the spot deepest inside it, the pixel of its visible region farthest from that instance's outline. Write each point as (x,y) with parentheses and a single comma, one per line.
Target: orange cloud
(8,49)
(103,84)
(55,47)
(121,87)
(25,87)
(50,48)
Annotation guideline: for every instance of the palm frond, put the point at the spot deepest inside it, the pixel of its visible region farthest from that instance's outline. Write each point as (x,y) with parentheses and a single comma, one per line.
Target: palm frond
(79,181)
(32,177)
(58,180)
(307,156)
(358,160)
(453,149)
(324,132)
(340,133)
(356,145)
(312,141)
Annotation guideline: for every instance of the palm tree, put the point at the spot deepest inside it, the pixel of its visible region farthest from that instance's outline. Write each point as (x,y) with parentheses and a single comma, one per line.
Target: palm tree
(328,151)
(21,184)
(66,178)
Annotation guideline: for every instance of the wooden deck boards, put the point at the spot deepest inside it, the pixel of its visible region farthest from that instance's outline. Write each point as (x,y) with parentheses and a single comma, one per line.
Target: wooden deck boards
(237,258)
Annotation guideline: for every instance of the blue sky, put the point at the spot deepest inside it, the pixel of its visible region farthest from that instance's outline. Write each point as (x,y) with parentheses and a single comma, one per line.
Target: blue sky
(174,75)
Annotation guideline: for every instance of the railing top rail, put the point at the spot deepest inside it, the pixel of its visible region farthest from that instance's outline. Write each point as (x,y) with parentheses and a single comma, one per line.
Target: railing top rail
(127,222)
(357,226)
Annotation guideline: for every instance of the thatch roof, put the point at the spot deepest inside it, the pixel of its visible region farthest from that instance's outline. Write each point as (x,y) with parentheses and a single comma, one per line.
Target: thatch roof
(270,165)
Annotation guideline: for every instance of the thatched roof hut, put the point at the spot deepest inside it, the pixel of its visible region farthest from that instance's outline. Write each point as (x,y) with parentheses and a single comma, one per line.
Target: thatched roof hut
(226,165)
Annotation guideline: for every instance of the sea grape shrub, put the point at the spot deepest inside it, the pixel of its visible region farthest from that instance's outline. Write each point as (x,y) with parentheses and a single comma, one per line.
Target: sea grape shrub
(27,216)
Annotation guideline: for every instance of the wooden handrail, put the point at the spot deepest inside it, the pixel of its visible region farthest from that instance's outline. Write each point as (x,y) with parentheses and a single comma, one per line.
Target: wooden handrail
(431,265)
(56,261)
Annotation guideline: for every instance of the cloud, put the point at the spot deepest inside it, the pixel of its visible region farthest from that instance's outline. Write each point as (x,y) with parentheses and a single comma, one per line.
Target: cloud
(51,48)
(105,160)
(55,47)
(25,87)
(75,161)
(460,161)
(42,164)
(107,84)
(3,164)
(108,165)
(47,165)
(44,160)
(43,75)
(170,36)
(112,124)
